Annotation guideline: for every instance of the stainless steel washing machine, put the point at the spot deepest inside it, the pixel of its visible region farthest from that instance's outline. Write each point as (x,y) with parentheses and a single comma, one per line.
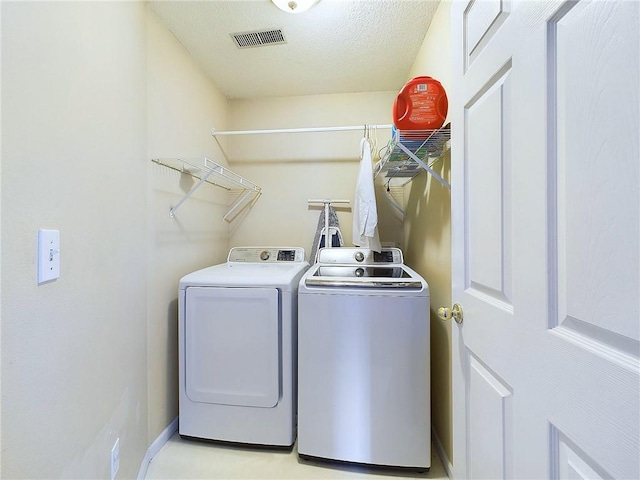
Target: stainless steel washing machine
(363,360)
(237,347)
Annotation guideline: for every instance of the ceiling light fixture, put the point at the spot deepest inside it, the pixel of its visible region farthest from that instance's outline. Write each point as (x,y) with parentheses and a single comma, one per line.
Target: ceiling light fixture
(294,6)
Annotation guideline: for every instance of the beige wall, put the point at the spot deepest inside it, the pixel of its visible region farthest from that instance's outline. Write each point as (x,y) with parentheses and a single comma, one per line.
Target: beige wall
(183,106)
(74,351)
(293,168)
(91,92)
(428,232)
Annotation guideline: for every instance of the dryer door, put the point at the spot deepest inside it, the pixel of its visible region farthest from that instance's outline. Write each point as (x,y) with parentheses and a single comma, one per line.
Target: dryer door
(232,346)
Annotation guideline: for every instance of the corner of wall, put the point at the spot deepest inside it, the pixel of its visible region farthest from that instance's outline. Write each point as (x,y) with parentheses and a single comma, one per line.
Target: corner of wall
(179,126)
(427,231)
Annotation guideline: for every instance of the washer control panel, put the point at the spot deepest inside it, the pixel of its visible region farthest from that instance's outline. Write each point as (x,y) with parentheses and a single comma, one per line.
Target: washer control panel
(363,256)
(266,255)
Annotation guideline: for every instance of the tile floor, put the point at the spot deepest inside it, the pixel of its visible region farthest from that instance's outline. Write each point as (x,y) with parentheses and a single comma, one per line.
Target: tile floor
(184,459)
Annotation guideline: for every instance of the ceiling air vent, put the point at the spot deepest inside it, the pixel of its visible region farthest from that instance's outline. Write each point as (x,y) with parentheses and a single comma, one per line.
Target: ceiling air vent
(260,38)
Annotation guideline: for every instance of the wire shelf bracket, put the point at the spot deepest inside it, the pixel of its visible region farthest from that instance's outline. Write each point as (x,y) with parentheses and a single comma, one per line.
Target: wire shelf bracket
(206,170)
(409,151)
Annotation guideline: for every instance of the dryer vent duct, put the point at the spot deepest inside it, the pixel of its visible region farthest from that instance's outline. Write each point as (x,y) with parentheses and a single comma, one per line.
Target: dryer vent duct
(260,38)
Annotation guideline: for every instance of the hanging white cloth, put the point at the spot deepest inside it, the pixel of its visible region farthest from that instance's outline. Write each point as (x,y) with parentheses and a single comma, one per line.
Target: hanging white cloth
(365,212)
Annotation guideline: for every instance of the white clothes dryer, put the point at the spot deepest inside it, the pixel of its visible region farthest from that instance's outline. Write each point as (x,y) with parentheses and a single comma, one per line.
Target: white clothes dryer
(237,347)
(363,357)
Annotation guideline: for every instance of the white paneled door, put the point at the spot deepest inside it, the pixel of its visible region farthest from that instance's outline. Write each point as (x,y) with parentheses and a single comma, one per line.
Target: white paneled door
(546,242)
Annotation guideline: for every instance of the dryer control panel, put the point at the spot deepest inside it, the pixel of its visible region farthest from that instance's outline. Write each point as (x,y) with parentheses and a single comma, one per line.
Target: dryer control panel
(266,255)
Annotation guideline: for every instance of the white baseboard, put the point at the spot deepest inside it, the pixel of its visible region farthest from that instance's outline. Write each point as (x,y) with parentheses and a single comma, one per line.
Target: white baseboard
(155,447)
(441,453)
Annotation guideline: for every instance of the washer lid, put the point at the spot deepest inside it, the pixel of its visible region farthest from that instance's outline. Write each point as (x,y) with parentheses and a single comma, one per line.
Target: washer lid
(365,276)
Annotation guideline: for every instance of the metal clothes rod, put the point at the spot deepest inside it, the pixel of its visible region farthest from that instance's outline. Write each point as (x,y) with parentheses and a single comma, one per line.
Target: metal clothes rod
(216,133)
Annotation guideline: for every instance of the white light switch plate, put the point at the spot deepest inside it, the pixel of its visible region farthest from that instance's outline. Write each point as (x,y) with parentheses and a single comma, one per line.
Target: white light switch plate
(48,255)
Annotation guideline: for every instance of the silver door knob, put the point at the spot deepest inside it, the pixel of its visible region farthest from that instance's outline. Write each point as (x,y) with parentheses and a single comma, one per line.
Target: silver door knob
(448,313)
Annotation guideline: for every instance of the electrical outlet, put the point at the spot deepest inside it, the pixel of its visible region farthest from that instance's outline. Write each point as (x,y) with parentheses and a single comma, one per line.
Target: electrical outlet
(115,459)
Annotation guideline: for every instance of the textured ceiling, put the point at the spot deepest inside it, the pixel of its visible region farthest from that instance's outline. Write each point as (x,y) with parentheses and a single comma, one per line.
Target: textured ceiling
(338,46)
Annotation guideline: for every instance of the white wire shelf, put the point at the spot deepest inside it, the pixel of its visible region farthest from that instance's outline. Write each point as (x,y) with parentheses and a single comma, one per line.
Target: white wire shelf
(208,171)
(411,151)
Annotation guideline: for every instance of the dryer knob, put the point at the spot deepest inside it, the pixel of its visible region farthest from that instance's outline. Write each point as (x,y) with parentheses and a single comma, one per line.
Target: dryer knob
(359,256)
(264,255)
